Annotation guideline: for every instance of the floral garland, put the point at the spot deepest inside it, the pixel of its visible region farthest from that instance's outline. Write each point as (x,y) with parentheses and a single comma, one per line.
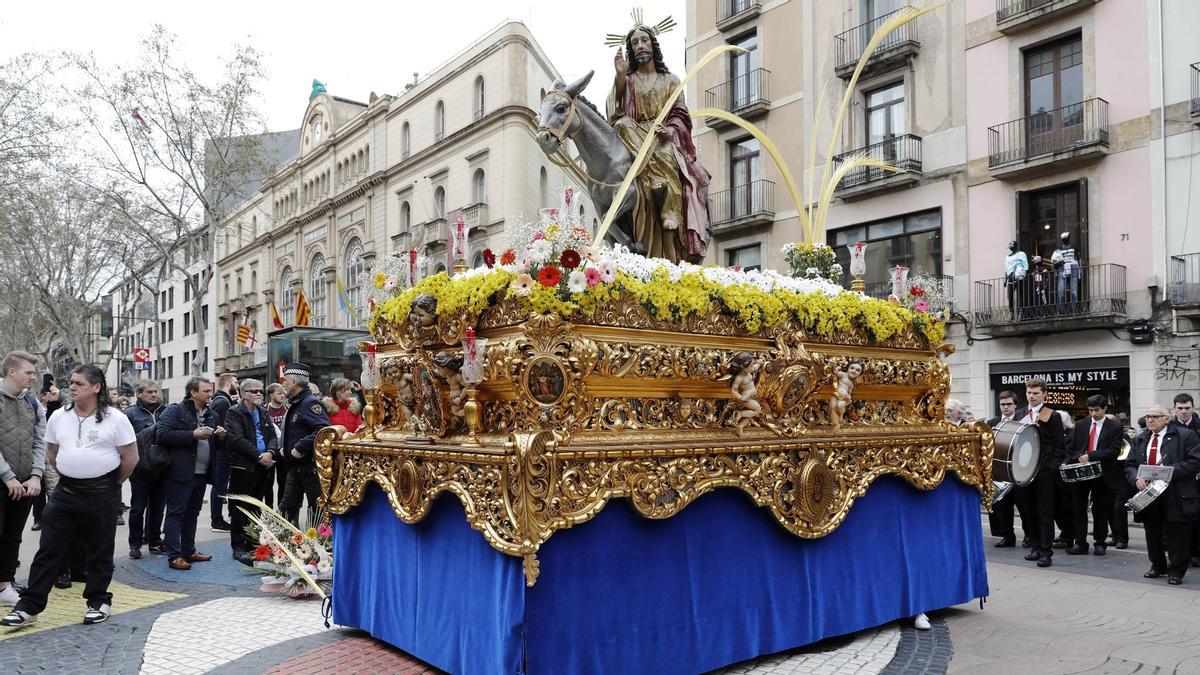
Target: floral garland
(757,300)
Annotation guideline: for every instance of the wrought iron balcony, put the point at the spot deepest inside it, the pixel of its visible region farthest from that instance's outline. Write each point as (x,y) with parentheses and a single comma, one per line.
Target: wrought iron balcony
(747,95)
(1075,131)
(1183,289)
(882,289)
(1017,15)
(895,48)
(903,152)
(731,13)
(743,206)
(1091,297)
(1196,92)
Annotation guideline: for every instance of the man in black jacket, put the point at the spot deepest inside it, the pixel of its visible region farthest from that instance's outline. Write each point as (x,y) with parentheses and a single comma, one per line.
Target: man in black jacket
(1185,415)
(306,416)
(1095,439)
(222,401)
(1001,517)
(1174,512)
(1039,494)
(253,449)
(186,429)
(148,502)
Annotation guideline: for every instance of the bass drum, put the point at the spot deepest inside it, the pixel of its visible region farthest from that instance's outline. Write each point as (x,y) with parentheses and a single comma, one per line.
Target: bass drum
(1018,449)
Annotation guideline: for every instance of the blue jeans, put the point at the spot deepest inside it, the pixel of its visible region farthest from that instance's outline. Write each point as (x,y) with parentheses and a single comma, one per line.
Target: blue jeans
(1068,277)
(184,499)
(220,487)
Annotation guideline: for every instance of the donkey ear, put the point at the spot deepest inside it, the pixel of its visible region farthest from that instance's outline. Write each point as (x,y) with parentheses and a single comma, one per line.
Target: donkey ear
(577,87)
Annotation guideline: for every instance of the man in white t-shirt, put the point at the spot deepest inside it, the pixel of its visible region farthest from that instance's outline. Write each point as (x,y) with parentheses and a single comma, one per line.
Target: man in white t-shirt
(95,450)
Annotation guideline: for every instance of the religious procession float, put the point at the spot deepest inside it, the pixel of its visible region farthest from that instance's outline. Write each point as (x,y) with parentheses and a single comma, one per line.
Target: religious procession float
(591,457)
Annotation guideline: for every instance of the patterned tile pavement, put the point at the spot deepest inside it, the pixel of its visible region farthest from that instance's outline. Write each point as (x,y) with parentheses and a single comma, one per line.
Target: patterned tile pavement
(66,607)
(357,654)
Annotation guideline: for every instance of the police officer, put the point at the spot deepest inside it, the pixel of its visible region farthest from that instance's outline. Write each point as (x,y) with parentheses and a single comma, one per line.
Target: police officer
(306,416)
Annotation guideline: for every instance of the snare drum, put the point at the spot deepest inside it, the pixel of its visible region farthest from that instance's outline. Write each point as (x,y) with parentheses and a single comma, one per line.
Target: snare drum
(1141,500)
(1002,489)
(1018,448)
(1077,473)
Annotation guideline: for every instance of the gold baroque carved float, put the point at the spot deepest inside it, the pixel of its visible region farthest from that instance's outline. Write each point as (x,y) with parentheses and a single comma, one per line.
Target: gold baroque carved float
(571,415)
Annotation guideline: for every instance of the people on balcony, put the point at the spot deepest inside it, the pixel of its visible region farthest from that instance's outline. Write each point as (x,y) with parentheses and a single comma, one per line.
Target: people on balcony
(1016,267)
(1068,264)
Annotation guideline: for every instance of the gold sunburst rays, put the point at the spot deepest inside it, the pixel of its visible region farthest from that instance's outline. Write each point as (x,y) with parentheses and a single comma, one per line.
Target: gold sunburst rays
(638,16)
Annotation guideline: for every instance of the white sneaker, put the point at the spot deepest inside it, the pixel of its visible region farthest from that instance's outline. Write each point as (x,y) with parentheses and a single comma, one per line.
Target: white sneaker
(18,618)
(921,622)
(9,596)
(96,614)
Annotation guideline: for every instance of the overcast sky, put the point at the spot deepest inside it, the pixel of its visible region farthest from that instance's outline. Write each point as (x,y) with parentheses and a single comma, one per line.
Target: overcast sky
(369,46)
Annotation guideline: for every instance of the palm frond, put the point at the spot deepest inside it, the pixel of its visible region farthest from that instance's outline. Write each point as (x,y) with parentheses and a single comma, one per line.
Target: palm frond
(853,162)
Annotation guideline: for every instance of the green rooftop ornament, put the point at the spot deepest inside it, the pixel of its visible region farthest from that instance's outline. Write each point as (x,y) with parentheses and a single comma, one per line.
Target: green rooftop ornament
(318,88)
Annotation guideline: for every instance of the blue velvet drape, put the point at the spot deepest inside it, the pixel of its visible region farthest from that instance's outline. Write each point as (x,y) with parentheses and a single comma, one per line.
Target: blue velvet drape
(718,583)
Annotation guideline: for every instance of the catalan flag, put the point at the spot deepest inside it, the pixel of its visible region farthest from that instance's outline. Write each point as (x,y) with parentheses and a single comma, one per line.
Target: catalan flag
(278,322)
(344,302)
(243,334)
(303,311)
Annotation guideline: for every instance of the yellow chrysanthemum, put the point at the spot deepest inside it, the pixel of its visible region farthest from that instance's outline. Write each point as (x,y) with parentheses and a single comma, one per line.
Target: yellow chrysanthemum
(379,280)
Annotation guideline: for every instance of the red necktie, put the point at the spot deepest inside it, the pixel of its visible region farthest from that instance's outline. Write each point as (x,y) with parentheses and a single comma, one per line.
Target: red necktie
(1154,451)
(1031,419)
(1092,438)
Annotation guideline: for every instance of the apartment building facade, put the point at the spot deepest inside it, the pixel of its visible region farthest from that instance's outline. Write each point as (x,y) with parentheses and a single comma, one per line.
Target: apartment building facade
(383,177)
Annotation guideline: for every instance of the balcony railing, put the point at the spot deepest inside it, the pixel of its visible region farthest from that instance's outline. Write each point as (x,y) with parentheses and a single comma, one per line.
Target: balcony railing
(1054,300)
(882,289)
(850,44)
(902,151)
(741,92)
(1196,89)
(1184,286)
(1049,132)
(728,9)
(1007,10)
(753,199)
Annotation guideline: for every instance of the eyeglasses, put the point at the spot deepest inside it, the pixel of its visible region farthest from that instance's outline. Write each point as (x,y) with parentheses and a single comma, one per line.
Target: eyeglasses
(1155,417)
(252,391)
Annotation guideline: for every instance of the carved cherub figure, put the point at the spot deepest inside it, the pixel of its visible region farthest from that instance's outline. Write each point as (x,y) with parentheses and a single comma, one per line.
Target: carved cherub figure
(449,369)
(843,387)
(406,396)
(744,368)
(423,313)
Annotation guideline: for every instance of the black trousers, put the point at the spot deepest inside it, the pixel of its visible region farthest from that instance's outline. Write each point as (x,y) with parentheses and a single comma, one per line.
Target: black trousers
(1001,519)
(1064,500)
(75,516)
(281,474)
(1121,492)
(1039,505)
(256,483)
(146,509)
(1178,537)
(302,482)
(1102,510)
(13,514)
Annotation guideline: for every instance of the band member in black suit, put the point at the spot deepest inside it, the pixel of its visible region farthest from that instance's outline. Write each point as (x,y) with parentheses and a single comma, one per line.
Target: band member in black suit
(1185,415)
(1001,517)
(1039,495)
(1095,438)
(1176,510)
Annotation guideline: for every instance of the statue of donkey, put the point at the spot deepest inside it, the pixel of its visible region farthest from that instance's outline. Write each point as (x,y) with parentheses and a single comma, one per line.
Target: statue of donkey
(566,115)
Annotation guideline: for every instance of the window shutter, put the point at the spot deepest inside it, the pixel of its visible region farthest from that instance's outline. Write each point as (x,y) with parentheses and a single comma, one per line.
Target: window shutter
(1025,225)
(1082,201)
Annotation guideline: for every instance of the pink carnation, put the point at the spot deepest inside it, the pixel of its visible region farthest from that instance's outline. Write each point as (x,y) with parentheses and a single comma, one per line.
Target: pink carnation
(593,276)
(921,306)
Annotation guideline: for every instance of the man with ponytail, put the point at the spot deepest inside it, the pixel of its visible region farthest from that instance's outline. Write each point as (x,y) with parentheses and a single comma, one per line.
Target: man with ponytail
(94,449)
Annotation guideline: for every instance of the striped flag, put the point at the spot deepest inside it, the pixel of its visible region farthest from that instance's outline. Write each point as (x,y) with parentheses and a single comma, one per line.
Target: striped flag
(243,334)
(278,322)
(303,311)
(344,302)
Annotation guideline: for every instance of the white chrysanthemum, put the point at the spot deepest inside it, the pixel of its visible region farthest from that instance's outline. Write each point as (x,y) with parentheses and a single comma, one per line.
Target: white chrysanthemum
(541,251)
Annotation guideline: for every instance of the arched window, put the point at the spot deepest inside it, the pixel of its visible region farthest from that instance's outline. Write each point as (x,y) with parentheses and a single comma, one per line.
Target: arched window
(439,121)
(287,297)
(362,161)
(239,286)
(316,290)
(353,166)
(543,189)
(439,202)
(405,141)
(480,186)
(479,98)
(253,227)
(353,283)
(477,261)
(441,267)
(253,281)
(405,217)
(582,218)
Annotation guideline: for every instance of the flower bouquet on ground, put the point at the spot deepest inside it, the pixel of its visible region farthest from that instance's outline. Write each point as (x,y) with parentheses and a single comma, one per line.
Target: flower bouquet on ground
(297,563)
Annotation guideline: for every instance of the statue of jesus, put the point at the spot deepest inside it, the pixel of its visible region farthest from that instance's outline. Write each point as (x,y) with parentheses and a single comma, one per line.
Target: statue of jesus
(670,217)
